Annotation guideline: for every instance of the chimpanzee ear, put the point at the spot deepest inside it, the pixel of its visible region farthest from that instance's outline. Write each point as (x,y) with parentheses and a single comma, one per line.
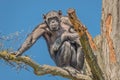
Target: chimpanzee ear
(44,16)
(60,12)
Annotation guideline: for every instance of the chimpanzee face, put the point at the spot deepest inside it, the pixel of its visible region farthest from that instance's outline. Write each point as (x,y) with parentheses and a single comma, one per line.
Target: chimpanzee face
(54,23)
(53,20)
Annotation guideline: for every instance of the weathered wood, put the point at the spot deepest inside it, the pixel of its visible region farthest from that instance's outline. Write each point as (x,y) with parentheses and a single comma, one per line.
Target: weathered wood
(108,24)
(42,69)
(90,57)
(110,32)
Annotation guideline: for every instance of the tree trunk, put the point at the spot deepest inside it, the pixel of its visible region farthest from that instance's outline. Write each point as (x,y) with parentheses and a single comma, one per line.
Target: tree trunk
(110,39)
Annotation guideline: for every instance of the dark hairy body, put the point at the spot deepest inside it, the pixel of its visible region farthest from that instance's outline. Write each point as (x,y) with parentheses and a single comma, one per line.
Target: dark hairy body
(63,42)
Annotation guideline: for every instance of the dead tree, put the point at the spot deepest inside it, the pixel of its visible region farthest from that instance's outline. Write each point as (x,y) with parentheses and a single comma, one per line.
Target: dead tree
(106,64)
(110,39)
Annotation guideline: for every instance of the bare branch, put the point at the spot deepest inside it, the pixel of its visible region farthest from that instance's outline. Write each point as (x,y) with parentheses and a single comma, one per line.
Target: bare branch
(42,70)
(87,46)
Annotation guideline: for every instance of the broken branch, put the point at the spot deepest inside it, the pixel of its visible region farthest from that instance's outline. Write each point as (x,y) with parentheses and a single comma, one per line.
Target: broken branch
(87,48)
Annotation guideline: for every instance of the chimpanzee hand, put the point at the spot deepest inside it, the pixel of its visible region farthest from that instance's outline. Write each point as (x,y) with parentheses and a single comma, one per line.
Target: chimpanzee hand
(18,54)
(69,36)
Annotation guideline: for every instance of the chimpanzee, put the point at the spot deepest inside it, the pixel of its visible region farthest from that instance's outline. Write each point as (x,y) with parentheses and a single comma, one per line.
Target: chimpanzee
(62,40)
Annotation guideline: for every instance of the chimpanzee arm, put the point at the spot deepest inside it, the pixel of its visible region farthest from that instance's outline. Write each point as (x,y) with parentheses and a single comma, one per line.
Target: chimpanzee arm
(31,39)
(66,36)
(69,36)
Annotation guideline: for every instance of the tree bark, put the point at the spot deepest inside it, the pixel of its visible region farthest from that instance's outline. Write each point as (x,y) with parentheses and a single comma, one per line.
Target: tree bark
(43,69)
(88,45)
(110,39)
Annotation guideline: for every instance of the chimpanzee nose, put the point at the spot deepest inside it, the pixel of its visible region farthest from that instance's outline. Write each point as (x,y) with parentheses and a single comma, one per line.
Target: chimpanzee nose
(53,21)
(54,27)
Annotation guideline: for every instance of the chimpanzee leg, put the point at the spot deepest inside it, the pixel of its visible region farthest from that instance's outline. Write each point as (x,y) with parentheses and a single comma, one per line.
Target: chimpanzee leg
(68,56)
(73,62)
(80,59)
(63,56)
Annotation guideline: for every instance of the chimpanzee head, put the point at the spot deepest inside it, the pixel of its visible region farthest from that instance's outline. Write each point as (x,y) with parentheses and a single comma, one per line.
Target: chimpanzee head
(52,19)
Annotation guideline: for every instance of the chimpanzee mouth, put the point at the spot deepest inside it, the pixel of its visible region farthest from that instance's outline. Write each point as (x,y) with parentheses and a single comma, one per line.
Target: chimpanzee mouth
(55,28)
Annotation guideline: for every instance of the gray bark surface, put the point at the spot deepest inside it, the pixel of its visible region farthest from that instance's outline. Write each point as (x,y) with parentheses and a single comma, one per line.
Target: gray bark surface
(110,40)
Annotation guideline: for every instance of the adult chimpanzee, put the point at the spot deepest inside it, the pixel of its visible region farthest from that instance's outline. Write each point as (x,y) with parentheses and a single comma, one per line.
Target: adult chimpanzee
(63,42)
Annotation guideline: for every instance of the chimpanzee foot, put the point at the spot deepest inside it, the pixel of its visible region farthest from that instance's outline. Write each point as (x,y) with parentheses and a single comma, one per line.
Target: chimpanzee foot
(72,71)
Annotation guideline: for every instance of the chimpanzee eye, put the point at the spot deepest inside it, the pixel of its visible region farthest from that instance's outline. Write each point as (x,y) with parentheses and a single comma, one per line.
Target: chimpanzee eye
(53,18)
(56,18)
(49,20)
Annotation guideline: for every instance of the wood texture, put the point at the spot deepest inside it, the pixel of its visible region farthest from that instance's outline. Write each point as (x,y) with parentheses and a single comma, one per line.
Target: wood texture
(42,69)
(89,54)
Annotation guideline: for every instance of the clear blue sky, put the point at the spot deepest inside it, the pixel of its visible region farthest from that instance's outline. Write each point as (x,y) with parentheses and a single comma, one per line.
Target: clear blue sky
(18,15)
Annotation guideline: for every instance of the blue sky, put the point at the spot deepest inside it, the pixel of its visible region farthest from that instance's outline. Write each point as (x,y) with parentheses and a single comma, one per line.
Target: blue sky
(24,15)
